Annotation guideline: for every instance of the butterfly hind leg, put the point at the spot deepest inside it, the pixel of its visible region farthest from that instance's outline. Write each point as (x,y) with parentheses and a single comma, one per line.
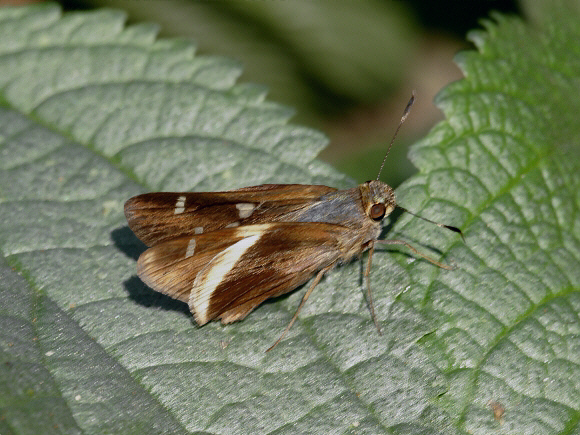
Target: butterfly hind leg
(304,299)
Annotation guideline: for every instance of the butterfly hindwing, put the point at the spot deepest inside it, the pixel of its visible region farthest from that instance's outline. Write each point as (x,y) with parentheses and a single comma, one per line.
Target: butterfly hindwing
(170,267)
(231,271)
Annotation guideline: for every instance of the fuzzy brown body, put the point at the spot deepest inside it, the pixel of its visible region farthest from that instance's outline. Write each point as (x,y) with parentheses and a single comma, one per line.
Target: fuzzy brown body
(224,253)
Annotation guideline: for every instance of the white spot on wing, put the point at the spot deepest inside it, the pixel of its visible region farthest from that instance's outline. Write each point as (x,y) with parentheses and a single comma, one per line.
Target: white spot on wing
(245,209)
(209,278)
(198,230)
(180,205)
(190,248)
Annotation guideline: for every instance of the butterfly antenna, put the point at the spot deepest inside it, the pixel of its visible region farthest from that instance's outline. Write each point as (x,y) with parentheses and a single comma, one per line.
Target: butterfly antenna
(415,251)
(449,227)
(403,118)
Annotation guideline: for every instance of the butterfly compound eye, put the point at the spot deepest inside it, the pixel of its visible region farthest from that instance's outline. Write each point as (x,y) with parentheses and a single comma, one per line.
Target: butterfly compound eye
(377,211)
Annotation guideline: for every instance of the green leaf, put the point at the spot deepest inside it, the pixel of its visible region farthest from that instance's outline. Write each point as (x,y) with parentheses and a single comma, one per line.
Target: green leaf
(93,112)
(506,163)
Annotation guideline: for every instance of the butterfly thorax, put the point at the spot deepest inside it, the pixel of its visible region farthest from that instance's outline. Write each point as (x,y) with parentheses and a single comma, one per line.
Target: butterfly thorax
(361,209)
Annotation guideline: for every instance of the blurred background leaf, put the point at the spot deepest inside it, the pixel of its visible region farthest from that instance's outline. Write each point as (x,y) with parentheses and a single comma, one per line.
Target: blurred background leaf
(347,67)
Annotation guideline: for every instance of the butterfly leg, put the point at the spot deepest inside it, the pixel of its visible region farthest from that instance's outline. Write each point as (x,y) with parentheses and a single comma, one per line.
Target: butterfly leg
(369,293)
(415,251)
(304,299)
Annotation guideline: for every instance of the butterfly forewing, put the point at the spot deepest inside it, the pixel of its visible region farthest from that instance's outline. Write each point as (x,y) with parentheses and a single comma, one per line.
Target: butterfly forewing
(162,216)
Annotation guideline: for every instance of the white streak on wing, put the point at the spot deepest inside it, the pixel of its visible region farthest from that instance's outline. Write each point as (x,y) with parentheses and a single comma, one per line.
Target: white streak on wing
(190,248)
(245,209)
(209,278)
(232,225)
(251,230)
(180,205)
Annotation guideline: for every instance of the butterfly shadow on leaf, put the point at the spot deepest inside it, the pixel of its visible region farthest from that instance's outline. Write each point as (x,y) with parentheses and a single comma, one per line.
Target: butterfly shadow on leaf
(132,247)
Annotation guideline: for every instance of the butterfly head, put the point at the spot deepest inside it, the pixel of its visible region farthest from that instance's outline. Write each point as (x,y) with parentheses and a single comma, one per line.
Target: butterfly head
(378,199)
